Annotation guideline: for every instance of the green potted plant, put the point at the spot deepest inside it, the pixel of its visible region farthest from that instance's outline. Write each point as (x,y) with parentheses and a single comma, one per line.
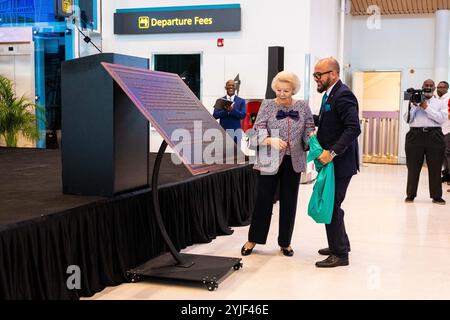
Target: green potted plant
(16,115)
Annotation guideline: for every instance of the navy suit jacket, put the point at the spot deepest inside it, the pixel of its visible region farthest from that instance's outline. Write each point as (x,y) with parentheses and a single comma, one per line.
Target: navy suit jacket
(338,129)
(232,120)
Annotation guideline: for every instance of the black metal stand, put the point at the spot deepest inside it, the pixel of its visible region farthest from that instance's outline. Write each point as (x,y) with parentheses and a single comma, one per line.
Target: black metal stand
(207,270)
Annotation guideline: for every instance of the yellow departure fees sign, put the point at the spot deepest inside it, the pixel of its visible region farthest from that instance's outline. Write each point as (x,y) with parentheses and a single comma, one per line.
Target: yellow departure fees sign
(200,19)
(147,22)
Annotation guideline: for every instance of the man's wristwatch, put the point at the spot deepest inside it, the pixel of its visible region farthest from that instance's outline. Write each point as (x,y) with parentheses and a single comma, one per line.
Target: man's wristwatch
(333,154)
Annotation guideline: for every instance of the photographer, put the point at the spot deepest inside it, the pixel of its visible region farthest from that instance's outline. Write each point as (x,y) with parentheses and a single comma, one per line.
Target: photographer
(425,116)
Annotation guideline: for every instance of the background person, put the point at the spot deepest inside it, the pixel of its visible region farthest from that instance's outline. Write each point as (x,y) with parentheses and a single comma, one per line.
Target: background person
(425,140)
(230,117)
(442,92)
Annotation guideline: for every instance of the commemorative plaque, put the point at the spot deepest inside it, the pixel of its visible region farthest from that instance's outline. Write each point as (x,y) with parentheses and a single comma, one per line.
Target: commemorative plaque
(179,117)
(202,145)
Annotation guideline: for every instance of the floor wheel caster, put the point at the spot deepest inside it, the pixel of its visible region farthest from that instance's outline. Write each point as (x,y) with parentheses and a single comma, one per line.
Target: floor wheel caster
(133,277)
(212,286)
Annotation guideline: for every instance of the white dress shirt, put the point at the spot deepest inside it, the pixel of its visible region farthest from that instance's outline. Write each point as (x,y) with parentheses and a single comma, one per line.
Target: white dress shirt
(446,125)
(433,116)
(445,97)
(231,98)
(331,88)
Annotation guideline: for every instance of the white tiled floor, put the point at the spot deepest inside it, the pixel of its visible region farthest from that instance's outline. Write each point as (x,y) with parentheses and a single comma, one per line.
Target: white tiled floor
(399,251)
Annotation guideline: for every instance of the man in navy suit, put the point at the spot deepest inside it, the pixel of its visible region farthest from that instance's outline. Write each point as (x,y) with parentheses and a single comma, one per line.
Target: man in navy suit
(230,117)
(338,130)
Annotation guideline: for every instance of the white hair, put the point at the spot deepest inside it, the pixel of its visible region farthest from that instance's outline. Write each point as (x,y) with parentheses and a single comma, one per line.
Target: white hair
(287,77)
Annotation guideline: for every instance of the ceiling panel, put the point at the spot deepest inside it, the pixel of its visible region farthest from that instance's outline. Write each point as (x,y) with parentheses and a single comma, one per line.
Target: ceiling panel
(390,7)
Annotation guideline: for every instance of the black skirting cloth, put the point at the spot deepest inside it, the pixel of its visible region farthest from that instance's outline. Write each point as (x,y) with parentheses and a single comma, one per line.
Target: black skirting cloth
(105,237)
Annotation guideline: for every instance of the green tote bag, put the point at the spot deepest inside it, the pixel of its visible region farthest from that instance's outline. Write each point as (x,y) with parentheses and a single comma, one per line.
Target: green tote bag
(321,204)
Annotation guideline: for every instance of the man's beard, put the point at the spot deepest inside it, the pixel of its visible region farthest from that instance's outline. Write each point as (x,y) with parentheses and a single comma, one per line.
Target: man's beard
(428,93)
(324,87)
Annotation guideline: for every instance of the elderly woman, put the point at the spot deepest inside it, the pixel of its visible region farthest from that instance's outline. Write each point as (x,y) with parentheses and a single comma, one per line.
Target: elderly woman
(281,133)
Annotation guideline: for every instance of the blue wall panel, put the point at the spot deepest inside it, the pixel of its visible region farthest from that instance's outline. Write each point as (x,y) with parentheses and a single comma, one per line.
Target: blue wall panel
(26,11)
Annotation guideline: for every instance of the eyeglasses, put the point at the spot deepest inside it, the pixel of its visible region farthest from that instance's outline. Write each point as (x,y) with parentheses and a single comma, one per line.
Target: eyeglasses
(318,75)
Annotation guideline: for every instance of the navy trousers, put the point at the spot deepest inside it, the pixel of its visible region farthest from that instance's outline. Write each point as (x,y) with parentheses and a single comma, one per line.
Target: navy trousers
(337,236)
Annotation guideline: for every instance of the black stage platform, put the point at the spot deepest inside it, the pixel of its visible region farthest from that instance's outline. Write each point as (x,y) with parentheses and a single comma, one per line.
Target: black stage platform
(43,231)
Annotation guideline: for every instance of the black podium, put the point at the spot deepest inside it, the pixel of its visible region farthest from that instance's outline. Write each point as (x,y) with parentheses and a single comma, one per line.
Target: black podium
(105,139)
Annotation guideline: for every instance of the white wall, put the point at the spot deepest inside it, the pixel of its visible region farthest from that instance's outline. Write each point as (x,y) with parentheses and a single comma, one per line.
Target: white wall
(348,49)
(324,29)
(324,39)
(403,43)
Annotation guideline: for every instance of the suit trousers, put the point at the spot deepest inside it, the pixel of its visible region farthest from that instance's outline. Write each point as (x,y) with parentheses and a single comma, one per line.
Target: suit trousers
(289,184)
(337,236)
(431,146)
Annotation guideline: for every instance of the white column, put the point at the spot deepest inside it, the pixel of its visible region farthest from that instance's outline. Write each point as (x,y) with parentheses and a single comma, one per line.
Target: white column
(342,37)
(442,46)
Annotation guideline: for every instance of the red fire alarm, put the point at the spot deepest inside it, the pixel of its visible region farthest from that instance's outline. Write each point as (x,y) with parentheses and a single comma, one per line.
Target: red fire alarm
(220,42)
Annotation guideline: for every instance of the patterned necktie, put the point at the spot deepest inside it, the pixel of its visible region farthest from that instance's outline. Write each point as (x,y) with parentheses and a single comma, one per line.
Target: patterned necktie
(324,101)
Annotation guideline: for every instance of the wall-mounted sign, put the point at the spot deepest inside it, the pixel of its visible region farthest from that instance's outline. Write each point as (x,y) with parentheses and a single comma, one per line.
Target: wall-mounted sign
(213,18)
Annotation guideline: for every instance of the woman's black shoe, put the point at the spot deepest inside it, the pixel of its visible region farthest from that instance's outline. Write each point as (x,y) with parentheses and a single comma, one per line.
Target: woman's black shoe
(245,251)
(287,252)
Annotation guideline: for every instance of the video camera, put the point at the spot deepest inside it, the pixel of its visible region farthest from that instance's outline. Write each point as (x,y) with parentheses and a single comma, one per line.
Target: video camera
(416,96)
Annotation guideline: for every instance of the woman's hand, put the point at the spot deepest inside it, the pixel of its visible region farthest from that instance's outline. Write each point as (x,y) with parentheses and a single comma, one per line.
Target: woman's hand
(276,143)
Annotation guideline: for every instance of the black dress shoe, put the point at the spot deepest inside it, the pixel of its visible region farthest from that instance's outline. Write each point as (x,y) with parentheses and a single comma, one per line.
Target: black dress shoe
(327,251)
(287,251)
(245,251)
(445,178)
(409,200)
(439,201)
(332,261)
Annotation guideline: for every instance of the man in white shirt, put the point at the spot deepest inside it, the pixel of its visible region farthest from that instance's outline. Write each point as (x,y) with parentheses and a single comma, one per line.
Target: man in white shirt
(425,140)
(444,95)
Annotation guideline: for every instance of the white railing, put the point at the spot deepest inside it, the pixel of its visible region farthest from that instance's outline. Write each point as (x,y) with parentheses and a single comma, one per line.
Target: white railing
(381,136)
